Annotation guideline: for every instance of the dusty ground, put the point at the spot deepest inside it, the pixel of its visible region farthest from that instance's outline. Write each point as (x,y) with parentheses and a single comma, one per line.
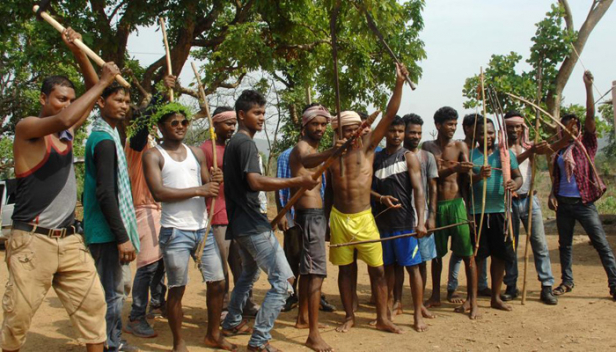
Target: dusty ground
(583,320)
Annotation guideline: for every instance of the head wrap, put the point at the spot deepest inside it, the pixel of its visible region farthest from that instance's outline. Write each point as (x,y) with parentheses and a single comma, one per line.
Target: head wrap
(516,120)
(224,116)
(346,118)
(314,111)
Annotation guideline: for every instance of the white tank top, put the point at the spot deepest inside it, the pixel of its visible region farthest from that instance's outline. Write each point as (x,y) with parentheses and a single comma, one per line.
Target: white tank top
(189,214)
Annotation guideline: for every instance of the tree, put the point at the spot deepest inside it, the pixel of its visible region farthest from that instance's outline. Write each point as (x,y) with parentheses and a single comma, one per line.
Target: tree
(237,39)
(556,45)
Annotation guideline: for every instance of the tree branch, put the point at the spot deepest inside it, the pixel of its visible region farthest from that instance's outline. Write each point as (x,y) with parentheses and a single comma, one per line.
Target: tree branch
(568,15)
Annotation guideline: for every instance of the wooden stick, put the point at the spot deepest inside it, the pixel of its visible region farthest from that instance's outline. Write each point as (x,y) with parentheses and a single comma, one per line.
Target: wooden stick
(315,176)
(337,245)
(332,29)
(168,54)
(78,43)
(203,97)
(529,228)
(485,163)
(379,35)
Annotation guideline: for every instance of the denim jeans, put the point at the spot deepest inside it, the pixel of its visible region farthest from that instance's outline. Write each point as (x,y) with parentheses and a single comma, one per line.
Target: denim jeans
(538,242)
(107,262)
(570,210)
(148,279)
(263,252)
(454,270)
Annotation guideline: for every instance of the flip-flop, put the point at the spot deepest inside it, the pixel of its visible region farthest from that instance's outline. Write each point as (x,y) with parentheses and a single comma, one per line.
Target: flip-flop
(239,329)
(562,289)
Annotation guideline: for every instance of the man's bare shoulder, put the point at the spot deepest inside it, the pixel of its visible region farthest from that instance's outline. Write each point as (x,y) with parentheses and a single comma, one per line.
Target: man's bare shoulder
(430,146)
(26,122)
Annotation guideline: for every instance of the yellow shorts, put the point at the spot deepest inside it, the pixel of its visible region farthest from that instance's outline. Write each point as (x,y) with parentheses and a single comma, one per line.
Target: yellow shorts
(350,228)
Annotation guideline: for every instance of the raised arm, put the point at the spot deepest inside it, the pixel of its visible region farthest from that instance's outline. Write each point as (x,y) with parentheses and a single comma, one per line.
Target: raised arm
(258,182)
(35,127)
(392,109)
(152,166)
(590,125)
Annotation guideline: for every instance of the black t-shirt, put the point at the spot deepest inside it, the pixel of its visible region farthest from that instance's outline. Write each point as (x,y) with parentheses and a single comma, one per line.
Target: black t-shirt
(391,178)
(243,210)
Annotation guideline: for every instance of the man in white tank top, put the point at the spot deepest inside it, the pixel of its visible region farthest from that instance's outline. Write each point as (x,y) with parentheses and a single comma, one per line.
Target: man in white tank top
(177,176)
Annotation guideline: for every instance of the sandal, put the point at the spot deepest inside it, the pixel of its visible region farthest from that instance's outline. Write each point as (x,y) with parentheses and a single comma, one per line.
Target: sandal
(264,348)
(240,329)
(562,289)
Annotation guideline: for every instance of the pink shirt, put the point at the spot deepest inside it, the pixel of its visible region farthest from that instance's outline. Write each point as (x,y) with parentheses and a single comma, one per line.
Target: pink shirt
(220,211)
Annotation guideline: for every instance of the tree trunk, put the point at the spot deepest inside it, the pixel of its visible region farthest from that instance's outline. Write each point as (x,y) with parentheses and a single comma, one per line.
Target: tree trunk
(597,11)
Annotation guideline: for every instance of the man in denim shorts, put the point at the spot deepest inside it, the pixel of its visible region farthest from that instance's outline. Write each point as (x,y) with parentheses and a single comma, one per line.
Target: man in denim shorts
(177,176)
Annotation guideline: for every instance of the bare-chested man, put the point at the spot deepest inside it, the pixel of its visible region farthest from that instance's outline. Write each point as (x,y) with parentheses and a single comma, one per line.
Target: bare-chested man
(351,217)
(453,165)
(310,218)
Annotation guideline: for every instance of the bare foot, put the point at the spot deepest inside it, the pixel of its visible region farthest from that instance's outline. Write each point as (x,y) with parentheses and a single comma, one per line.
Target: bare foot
(318,344)
(299,325)
(346,326)
(432,302)
(420,325)
(426,313)
(388,326)
(397,309)
(474,313)
(465,307)
(180,347)
(453,297)
(221,343)
(499,304)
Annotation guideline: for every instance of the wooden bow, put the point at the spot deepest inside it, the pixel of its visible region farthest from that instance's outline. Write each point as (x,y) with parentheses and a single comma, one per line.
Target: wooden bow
(78,43)
(203,98)
(168,56)
(315,176)
(332,29)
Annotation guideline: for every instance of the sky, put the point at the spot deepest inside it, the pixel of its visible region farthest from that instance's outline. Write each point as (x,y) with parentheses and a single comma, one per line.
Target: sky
(459,37)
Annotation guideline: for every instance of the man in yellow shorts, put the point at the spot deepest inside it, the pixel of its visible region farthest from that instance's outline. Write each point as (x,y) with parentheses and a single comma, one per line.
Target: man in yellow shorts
(348,199)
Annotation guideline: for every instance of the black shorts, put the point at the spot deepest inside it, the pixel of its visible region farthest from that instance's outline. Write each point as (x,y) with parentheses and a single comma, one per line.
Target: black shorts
(312,223)
(493,241)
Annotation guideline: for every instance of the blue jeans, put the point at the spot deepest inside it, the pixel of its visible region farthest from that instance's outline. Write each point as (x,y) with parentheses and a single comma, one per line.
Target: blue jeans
(179,245)
(537,241)
(263,252)
(570,210)
(148,279)
(454,270)
(107,262)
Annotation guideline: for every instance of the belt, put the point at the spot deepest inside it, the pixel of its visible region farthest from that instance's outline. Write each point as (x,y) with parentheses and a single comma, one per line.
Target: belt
(53,233)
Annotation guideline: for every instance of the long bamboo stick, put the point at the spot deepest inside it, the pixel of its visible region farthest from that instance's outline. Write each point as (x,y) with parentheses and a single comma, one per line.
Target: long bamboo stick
(203,97)
(529,228)
(91,54)
(485,162)
(168,54)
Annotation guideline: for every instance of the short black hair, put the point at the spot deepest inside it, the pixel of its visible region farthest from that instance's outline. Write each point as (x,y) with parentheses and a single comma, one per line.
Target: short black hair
(112,89)
(362,115)
(309,106)
(221,109)
(51,82)
(398,121)
(568,117)
(469,119)
(513,113)
(412,119)
(445,113)
(249,99)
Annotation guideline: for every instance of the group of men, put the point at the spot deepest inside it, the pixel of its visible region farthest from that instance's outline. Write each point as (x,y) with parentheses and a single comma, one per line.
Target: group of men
(395,208)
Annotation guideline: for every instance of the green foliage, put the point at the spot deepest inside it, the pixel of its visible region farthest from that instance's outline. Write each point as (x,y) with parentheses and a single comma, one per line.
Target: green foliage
(606,112)
(551,45)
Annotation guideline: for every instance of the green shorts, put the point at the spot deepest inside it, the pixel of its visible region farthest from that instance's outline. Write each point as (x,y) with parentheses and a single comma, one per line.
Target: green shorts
(451,212)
